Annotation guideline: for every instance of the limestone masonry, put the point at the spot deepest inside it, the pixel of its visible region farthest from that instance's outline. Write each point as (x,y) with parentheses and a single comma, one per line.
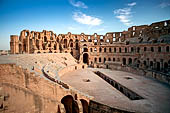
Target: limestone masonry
(119,72)
(144,47)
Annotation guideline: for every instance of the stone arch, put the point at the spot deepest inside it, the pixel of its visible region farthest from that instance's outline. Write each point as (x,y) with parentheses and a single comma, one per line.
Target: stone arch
(130,61)
(125,50)
(109,59)
(45,39)
(110,49)
(85,50)
(65,43)
(95,59)
(124,61)
(70,105)
(71,43)
(86,58)
(84,105)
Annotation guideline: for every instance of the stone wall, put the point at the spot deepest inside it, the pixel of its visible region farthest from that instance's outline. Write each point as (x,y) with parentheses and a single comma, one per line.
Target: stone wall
(96,107)
(22,91)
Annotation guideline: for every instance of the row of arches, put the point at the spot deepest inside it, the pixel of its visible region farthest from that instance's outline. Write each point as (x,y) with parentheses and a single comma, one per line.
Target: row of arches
(132,49)
(71,104)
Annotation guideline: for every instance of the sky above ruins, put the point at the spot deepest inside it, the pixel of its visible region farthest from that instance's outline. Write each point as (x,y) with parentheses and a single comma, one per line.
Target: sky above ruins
(77,16)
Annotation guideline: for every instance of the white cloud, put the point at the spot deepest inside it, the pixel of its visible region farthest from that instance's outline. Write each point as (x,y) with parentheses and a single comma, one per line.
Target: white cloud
(85,19)
(125,14)
(132,4)
(164,5)
(78,4)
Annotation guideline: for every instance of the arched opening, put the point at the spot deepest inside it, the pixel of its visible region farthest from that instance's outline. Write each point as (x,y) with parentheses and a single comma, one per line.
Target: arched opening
(125,50)
(124,61)
(84,105)
(71,44)
(158,66)
(95,60)
(120,50)
(100,59)
(55,47)
(85,58)
(85,50)
(107,66)
(130,61)
(110,50)
(70,105)
(45,39)
(104,49)
(109,59)
(131,49)
(65,43)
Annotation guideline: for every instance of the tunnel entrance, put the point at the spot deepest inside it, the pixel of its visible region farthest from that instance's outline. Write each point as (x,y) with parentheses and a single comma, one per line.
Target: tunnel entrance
(85,105)
(85,58)
(70,105)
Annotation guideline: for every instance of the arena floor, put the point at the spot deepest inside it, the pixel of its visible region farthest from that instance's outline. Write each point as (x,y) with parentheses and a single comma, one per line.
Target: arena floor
(156,95)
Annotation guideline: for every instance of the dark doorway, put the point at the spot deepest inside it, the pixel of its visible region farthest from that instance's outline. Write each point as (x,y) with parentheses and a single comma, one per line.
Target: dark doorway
(158,66)
(85,105)
(65,43)
(70,105)
(20,48)
(124,61)
(85,58)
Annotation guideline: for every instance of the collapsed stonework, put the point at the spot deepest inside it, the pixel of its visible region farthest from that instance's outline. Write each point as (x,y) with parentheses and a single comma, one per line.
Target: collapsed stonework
(144,47)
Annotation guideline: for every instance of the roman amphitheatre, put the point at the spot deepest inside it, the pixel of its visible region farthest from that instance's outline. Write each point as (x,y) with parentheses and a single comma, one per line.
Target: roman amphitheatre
(119,72)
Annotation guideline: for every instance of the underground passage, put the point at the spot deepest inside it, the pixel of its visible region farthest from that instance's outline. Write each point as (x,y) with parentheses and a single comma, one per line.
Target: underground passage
(124,90)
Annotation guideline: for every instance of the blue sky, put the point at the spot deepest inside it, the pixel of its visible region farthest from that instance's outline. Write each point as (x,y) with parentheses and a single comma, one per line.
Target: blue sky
(77,16)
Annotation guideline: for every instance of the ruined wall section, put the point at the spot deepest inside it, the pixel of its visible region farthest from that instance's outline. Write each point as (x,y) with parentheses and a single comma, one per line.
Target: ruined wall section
(22,92)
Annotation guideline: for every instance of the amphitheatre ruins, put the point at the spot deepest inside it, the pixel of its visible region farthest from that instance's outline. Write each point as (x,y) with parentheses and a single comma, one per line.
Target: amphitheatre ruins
(119,72)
